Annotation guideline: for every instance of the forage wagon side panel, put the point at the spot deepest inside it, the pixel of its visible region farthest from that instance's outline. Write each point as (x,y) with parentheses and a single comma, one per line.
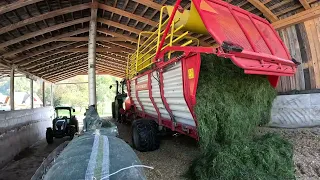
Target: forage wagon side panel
(133,94)
(143,95)
(174,94)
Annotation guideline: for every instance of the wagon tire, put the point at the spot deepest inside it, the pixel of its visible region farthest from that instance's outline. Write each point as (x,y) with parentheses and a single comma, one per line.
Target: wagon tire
(145,135)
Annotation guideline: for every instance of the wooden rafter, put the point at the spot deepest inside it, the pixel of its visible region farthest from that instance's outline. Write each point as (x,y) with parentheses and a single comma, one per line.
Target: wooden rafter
(61,71)
(114,34)
(149,3)
(297,18)
(46,41)
(55,63)
(119,60)
(44,16)
(107,39)
(98,49)
(59,66)
(116,56)
(67,75)
(111,45)
(42,64)
(38,52)
(111,62)
(43,31)
(265,11)
(305,4)
(127,14)
(47,55)
(119,25)
(115,67)
(16,5)
(77,66)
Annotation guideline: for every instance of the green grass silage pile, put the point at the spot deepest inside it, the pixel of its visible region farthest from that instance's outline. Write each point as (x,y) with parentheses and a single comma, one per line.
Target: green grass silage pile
(230,105)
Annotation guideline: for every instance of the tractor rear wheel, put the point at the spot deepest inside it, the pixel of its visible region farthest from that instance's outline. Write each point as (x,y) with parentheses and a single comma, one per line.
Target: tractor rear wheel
(145,135)
(113,110)
(72,132)
(49,135)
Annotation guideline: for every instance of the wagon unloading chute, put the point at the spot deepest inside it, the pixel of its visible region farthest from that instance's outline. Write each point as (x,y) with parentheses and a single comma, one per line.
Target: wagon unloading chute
(163,72)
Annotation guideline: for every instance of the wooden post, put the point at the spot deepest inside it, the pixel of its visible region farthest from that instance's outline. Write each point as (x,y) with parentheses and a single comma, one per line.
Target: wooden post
(51,92)
(92,54)
(12,89)
(43,94)
(31,93)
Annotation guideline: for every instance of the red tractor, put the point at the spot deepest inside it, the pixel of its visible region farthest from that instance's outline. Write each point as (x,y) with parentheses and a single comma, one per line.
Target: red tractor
(162,75)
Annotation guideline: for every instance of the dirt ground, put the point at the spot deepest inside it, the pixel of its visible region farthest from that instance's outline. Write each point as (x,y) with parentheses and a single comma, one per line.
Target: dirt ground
(306,143)
(175,155)
(170,161)
(27,162)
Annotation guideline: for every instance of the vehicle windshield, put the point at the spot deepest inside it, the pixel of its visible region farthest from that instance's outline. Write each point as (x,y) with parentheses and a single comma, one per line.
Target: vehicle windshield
(60,113)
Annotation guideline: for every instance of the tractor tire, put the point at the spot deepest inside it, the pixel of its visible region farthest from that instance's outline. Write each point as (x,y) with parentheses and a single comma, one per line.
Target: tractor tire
(113,110)
(145,135)
(49,135)
(117,106)
(72,132)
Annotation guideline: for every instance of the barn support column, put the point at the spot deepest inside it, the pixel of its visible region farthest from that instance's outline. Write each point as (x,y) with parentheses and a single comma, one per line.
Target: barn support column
(12,89)
(31,93)
(51,95)
(43,94)
(92,55)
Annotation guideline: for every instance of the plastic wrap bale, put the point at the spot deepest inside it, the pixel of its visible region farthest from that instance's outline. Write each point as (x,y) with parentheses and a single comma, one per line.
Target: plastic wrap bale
(95,156)
(92,120)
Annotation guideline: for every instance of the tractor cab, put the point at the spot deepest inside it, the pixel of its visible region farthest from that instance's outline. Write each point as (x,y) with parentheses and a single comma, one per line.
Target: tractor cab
(64,124)
(120,99)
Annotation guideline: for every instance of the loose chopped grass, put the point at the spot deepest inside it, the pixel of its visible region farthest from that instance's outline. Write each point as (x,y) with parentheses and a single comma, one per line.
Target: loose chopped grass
(230,105)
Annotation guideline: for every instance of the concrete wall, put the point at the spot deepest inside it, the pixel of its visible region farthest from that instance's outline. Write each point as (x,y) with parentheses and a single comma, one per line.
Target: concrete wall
(21,129)
(294,111)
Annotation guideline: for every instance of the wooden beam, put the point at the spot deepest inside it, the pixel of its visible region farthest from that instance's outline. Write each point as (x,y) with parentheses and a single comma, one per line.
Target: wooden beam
(110,45)
(149,3)
(305,4)
(98,49)
(119,25)
(115,67)
(107,39)
(120,57)
(45,41)
(37,64)
(119,60)
(47,55)
(127,14)
(298,18)
(68,75)
(106,60)
(101,66)
(265,11)
(38,52)
(43,31)
(83,71)
(54,64)
(44,16)
(41,72)
(63,70)
(114,34)
(124,44)
(16,5)
(77,66)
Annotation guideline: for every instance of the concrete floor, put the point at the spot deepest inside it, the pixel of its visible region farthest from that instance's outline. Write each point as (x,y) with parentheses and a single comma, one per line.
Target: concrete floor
(27,162)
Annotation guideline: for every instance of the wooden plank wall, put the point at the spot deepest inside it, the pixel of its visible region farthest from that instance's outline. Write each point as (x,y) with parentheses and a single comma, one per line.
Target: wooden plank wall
(303,42)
